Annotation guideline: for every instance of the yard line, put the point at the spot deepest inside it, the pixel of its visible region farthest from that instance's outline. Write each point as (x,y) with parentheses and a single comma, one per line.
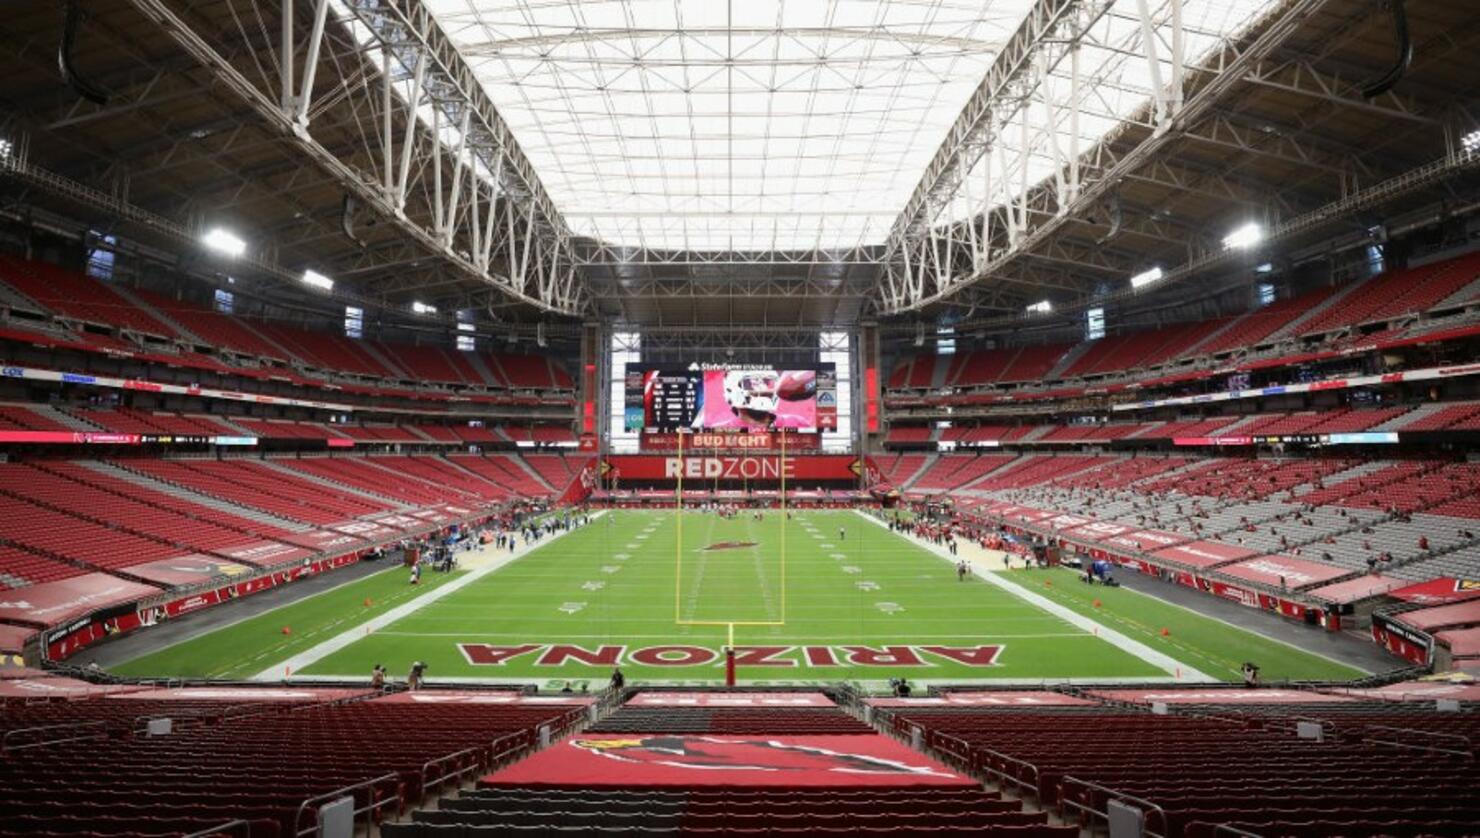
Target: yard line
(343,639)
(1161,661)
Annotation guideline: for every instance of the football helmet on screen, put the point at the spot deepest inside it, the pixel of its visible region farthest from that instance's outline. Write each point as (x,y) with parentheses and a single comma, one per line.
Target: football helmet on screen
(751,393)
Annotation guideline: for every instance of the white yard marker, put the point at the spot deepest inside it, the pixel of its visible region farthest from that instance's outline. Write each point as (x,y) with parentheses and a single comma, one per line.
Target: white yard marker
(339,641)
(1164,662)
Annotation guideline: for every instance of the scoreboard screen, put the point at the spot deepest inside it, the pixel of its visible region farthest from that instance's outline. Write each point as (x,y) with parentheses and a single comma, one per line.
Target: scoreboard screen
(730,397)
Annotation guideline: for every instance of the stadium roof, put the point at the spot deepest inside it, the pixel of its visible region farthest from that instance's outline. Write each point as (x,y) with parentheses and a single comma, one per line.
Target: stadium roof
(696,125)
(695,162)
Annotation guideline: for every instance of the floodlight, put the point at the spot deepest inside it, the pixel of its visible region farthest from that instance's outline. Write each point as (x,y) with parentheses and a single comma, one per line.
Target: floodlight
(1040,307)
(318,280)
(1146,277)
(419,307)
(1244,237)
(224,241)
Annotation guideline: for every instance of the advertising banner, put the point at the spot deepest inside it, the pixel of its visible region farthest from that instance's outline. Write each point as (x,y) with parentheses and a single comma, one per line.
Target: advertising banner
(734,467)
(722,441)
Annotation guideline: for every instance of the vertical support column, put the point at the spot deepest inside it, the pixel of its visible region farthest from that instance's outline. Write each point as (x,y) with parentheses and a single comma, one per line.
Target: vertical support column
(868,354)
(1074,107)
(387,144)
(410,139)
(285,58)
(311,63)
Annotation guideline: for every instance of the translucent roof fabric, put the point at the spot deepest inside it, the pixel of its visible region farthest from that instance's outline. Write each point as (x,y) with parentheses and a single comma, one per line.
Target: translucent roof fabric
(763,125)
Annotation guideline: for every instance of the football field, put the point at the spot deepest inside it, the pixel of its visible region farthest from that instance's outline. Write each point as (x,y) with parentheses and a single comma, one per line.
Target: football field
(821,597)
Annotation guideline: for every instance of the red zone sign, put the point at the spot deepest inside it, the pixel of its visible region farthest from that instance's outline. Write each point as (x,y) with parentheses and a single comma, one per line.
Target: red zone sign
(738,467)
(560,654)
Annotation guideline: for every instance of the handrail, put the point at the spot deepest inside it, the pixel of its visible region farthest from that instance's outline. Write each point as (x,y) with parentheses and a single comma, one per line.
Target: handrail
(1464,741)
(1003,777)
(1230,829)
(6,745)
(458,757)
(228,826)
(1112,794)
(348,791)
(963,754)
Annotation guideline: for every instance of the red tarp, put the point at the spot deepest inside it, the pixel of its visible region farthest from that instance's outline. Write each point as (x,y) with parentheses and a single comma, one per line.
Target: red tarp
(1297,573)
(1353,590)
(1204,554)
(1004,698)
(1145,540)
(629,760)
(8,672)
(1217,696)
(1100,530)
(1441,590)
(188,570)
(730,700)
(1462,643)
(1418,691)
(483,697)
(324,540)
(13,638)
(55,602)
(1442,616)
(266,553)
(68,688)
(1067,521)
(368,530)
(244,694)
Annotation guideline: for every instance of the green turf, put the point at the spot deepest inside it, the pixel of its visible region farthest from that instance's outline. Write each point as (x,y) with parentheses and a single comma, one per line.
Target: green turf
(1216,648)
(622,585)
(245,648)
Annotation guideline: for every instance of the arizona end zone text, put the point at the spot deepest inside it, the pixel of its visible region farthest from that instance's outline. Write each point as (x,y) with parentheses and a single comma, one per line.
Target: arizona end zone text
(557,654)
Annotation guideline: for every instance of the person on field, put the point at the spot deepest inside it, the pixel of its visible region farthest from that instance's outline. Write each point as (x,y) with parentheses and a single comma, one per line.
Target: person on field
(414,677)
(842,534)
(377,677)
(618,679)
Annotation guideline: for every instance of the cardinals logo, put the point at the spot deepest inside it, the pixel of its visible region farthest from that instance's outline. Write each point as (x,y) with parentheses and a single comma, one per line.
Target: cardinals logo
(711,753)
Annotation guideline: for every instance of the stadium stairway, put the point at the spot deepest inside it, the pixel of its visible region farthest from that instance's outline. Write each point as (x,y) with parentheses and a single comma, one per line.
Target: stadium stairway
(159,314)
(1313,314)
(164,487)
(476,362)
(62,417)
(338,485)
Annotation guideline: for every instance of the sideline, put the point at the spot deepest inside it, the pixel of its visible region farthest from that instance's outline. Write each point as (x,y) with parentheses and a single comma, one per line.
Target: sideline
(1181,672)
(339,641)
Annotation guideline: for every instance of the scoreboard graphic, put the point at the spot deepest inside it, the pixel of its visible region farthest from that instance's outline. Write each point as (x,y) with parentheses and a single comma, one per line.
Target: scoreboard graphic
(729,397)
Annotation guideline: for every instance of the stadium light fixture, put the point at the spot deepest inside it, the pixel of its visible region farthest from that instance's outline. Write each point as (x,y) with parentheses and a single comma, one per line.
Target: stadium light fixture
(1040,307)
(1244,237)
(419,307)
(1470,142)
(1146,277)
(6,147)
(466,327)
(318,280)
(224,241)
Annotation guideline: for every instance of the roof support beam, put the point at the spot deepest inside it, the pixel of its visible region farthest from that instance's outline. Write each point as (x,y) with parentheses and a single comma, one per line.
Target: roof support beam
(419,48)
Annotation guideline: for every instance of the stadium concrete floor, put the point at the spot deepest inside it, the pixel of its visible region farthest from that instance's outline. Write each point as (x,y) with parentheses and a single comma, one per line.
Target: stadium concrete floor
(1349,647)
